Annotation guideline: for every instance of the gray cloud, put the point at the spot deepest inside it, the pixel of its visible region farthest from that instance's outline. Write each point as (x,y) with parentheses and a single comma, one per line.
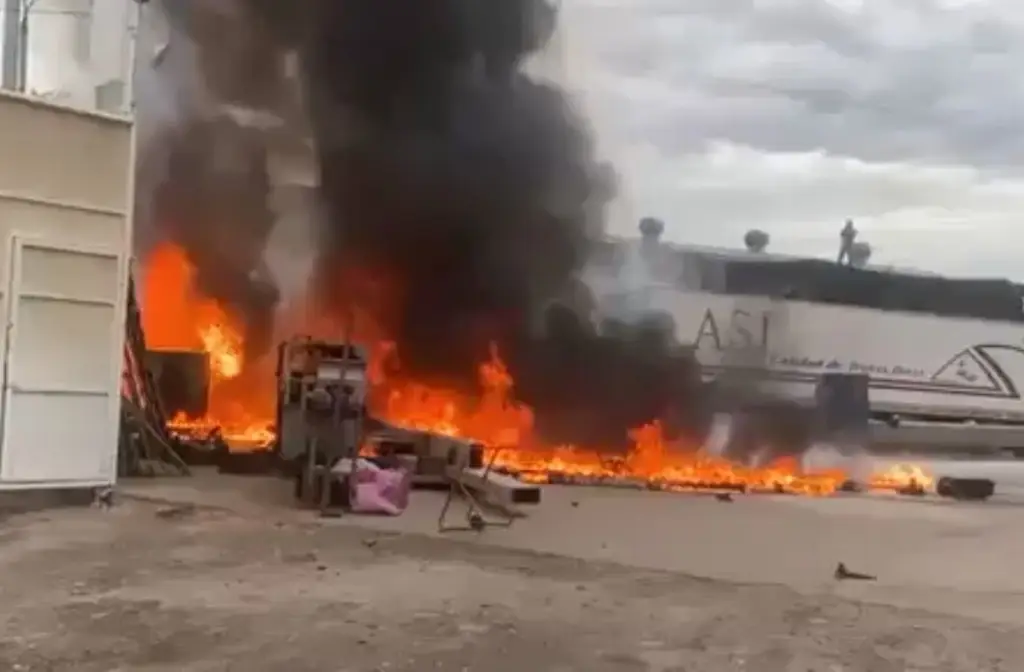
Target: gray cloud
(900,79)
(795,114)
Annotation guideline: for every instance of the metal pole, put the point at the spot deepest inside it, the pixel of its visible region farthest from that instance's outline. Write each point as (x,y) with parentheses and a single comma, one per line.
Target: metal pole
(134,28)
(23,47)
(12,44)
(21,84)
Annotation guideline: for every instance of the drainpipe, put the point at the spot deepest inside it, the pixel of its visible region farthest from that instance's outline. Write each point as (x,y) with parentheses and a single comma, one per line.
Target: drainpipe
(20,46)
(12,44)
(23,46)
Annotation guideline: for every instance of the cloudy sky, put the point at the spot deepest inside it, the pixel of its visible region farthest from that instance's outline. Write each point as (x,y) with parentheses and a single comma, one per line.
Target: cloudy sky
(792,115)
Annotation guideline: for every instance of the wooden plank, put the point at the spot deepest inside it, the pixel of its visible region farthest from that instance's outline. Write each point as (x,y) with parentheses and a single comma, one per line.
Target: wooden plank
(435,453)
(496,489)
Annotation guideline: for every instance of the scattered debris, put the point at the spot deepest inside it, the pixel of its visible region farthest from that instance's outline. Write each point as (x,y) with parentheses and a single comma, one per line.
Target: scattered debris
(176,511)
(723,497)
(842,573)
(627,482)
(295,558)
(912,489)
(103,498)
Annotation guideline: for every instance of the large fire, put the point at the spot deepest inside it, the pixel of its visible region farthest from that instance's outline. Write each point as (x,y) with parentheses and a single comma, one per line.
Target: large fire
(176,318)
(241,406)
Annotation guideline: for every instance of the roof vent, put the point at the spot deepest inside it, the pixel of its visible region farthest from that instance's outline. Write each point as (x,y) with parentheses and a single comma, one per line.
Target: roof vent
(859,254)
(756,241)
(651,228)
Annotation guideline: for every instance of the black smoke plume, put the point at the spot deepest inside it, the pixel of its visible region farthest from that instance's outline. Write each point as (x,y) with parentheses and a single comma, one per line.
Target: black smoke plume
(203,176)
(472,191)
(462,199)
(217,213)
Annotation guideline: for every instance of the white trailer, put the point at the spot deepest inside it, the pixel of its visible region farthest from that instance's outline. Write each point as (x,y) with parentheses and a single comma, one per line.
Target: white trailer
(953,383)
(65,199)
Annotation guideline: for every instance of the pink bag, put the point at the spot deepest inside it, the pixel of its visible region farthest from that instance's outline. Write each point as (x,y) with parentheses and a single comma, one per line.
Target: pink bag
(381,491)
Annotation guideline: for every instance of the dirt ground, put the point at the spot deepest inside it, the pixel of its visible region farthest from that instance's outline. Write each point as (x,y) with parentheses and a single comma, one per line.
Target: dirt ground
(146,586)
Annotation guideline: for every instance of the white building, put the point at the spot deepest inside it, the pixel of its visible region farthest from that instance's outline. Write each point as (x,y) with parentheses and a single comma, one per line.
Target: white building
(76,52)
(65,239)
(64,249)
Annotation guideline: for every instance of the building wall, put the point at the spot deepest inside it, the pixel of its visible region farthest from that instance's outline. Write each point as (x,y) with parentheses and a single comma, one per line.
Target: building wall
(64,241)
(62,173)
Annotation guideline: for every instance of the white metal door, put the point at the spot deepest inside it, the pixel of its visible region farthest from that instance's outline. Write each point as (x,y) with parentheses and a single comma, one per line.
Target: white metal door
(62,370)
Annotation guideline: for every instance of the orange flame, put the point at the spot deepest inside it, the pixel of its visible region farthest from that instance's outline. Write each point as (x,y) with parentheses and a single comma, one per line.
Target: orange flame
(241,405)
(175,317)
(224,348)
(902,477)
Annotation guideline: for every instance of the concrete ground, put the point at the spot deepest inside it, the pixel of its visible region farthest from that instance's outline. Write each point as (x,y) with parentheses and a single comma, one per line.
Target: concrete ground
(216,573)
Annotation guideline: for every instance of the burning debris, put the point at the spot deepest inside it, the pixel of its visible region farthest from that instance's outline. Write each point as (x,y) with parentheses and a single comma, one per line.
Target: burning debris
(462,200)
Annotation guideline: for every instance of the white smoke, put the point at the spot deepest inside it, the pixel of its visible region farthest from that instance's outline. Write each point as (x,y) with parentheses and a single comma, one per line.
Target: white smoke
(859,465)
(718,438)
(623,293)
